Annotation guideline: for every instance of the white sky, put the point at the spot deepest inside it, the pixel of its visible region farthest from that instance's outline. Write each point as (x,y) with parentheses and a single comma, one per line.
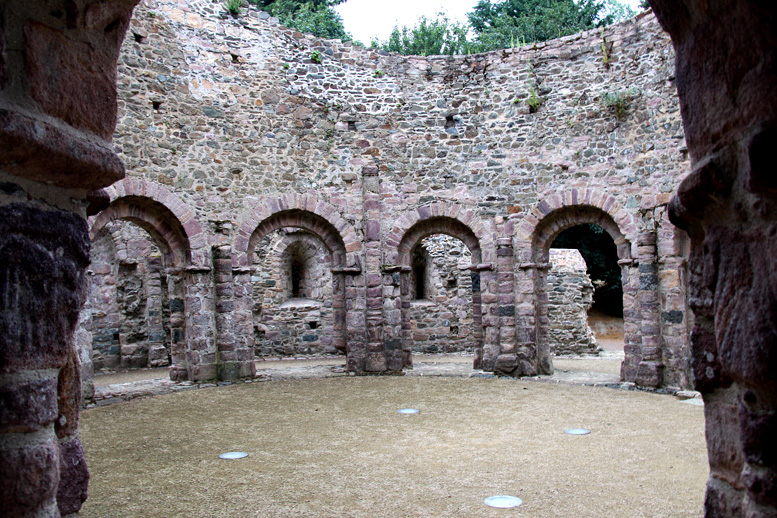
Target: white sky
(365,19)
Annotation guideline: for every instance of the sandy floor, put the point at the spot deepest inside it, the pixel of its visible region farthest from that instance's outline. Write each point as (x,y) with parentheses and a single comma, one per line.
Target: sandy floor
(337,447)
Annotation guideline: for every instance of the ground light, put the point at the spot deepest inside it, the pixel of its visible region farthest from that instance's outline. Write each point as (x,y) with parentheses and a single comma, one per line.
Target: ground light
(408,411)
(233,455)
(577,431)
(503,501)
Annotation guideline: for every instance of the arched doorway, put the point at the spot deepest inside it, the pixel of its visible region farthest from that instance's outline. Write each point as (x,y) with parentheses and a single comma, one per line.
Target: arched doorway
(591,300)
(546,233)
(427,273)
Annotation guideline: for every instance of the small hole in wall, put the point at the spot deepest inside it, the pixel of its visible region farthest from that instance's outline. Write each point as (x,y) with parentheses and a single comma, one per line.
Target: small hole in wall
(235,58)
(351,126)
(115,336)
(455,330)
(156,104)
(313,325)
(451,283)
(138,37)
(449,122)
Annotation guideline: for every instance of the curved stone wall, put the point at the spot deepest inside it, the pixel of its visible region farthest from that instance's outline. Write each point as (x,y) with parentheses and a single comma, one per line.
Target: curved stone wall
(254,127)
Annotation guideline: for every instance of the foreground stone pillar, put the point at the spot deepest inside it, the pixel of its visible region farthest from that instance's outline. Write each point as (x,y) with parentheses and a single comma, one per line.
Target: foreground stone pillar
(726,78)
(54,149)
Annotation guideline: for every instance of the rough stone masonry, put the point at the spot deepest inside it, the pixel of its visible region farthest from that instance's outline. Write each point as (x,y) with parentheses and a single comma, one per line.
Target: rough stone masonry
(290,184)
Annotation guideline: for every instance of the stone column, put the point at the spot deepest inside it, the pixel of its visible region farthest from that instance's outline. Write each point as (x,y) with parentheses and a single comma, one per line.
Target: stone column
(650,370)
(158,355)
(506,300)
(175,289)
(201,351)
(43,258)
(489,307)
(392,297)
(382,355)
(55,147)
(244,322)
(223,286)
(632,323)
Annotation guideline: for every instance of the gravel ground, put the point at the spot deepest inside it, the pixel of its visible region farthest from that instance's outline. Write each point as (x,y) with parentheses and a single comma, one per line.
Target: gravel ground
(336,447)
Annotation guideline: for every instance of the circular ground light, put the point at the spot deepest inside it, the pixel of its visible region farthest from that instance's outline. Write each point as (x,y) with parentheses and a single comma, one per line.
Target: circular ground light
(233,455)
(408,410)
(503,501)
(577,431)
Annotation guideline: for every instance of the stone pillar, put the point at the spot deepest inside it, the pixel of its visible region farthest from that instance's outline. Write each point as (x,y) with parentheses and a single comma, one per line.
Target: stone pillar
(55,147)
(224,291)
(158,355)
(650,370)
(489,306)
(43,258)
(392,296)
(201,351)
(178,358)
(244,322)
(382,355)
(632,323)
(477,323)
(505,278)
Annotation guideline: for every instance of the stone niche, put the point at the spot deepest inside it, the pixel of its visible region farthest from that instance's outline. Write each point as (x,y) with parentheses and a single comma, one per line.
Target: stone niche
(441,288)
(126,308)
(292,294)
(570,296)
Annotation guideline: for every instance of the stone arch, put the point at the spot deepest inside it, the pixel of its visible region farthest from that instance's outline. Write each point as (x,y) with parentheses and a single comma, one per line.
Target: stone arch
(163,215)
(554,214)
(176,231)
(439,218)
(296,211)
(321,220)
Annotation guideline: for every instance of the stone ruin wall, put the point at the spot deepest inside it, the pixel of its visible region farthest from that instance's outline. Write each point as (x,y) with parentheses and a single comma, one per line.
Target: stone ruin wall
(570,296)
(231,130)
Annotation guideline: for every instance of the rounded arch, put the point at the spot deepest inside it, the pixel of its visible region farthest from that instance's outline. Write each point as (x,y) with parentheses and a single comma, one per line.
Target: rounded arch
(557,211)
(438,225)
(160,213)
(315,216)
(155,219)
(566,217)
(439,218)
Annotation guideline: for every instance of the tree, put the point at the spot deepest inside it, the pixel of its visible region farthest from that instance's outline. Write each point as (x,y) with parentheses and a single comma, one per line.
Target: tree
(315,17)
(429,37)
(508,23)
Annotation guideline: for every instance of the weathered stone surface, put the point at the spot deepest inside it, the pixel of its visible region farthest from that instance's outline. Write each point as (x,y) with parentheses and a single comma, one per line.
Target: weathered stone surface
(74,476)
(729,207)
(43,255)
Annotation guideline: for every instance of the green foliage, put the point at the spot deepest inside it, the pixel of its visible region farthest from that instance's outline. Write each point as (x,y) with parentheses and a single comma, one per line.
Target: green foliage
(429,37)
(315,57)
(315,17)
(601,259)
(500,24)
(605,52)
(533,102)
(379,73)
(233,6)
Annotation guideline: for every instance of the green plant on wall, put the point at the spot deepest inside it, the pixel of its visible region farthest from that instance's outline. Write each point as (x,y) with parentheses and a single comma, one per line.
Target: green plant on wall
(233,6)
(533,102)
(605,52)
(315,57)
(618,102)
